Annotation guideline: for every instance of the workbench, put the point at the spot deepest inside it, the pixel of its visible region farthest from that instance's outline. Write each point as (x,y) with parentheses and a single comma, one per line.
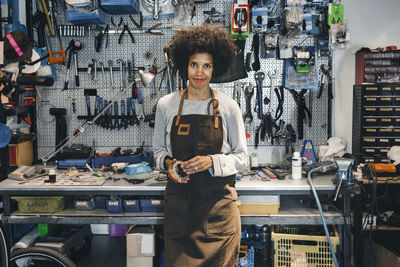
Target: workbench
(289,212)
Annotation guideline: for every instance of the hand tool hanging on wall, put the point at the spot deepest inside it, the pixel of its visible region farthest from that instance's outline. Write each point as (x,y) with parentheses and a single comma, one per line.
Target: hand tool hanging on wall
(131,112)
(61,125)
(98,40)
(249,92)
(69,51)
(303,113)
(76,47)
(280,94)
(126,29)
(116,124)
(259,77)
(124,118)
(256,50)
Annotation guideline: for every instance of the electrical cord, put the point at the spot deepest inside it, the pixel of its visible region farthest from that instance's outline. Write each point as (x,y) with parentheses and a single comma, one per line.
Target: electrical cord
(322,214)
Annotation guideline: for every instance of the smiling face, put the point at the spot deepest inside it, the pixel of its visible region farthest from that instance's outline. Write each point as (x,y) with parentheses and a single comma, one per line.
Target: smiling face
(200,70)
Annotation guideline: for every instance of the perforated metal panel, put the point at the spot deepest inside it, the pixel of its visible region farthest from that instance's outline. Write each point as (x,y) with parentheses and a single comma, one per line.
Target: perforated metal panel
(146,49)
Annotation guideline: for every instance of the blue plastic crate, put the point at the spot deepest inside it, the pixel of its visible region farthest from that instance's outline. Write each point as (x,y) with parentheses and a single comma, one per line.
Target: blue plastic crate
(155,205)
(94,17)
(117,7)
(114,206)
(131,205)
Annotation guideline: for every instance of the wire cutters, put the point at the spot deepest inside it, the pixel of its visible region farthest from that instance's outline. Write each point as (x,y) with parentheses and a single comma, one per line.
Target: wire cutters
(152,28)
(126,29)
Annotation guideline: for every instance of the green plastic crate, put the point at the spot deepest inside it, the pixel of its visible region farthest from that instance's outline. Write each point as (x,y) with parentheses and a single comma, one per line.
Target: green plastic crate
(43,204)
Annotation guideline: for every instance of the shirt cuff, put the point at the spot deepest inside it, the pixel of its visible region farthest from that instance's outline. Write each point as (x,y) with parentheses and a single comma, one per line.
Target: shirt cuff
(216,169)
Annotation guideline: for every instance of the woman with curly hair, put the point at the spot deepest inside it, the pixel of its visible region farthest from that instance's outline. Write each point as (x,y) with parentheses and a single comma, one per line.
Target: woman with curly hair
(203,131)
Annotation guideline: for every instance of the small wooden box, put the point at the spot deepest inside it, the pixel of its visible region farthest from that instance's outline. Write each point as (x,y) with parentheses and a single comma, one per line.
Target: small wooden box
(21,154)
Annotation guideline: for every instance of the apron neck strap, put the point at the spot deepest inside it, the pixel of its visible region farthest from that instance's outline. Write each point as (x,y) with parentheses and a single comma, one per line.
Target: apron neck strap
(213,101)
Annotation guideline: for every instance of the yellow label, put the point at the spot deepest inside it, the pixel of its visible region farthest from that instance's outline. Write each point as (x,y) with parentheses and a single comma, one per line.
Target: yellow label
(370,120)
(397,120)
(386,109)
(384,150)
(397,88)
(397,130)
(370,109)
(386,99)
(397,98)
(397,109)
(386,88)
(371,99)
(386,130)
(386,120)
(371,88)
(384,140)
(369,139)
(369,150)
(371,130)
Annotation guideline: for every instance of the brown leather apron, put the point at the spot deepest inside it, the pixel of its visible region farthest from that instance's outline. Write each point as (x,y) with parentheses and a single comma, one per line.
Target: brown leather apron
(202,221)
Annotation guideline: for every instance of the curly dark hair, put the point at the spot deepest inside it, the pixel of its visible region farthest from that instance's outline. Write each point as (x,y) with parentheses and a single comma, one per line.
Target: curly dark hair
(207,38)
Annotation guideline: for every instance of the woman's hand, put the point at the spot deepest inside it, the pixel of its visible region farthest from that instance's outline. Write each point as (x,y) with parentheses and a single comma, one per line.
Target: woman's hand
(197,164)
(171,174)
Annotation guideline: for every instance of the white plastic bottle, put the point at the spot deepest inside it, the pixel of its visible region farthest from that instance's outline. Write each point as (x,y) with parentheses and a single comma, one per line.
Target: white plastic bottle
(296,166)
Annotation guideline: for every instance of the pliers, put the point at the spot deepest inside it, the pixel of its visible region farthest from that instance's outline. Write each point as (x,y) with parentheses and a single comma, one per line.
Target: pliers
(126,29)
(326,74)
(303,113)
(280,95)
(98,40)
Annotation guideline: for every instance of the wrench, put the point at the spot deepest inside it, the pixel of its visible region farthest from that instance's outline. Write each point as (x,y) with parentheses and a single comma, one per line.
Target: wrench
(273,77)
(155,9)
(119,61)
(102,70)
(259,77)
(249,92)
(95,69)
(237,87)
(110,65)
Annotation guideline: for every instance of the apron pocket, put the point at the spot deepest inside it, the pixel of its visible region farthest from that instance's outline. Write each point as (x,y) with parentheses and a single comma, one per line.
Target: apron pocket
(222,215)
(176,214)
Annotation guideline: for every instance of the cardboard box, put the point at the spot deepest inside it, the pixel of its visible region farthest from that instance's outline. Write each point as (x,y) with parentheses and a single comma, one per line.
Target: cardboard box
(140,242)
(139,261)
(21,154)
(259,204)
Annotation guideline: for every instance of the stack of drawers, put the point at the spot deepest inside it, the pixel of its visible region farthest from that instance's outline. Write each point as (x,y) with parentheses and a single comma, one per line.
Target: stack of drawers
(376,120)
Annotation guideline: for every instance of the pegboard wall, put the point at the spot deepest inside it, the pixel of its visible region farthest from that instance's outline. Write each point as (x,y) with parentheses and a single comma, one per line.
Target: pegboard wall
(147,51)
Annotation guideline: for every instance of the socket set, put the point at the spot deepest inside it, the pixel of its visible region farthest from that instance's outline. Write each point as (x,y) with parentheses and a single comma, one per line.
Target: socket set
(74,30)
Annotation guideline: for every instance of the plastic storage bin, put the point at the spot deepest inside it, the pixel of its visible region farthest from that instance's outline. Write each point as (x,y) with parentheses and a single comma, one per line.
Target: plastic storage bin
(114,206)
(294,249)
(131,205)
(118,229)
(44,204)
(155,205)
(117,7)
(94,17)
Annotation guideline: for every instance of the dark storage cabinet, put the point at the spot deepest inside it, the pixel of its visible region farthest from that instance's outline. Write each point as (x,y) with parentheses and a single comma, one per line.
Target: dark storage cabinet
(376,120)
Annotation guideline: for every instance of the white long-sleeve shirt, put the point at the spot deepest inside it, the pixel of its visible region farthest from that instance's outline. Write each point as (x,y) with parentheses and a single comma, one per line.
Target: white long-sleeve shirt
(233,156)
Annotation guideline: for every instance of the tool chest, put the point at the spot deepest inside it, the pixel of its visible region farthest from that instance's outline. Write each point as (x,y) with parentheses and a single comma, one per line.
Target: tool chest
(376,120)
